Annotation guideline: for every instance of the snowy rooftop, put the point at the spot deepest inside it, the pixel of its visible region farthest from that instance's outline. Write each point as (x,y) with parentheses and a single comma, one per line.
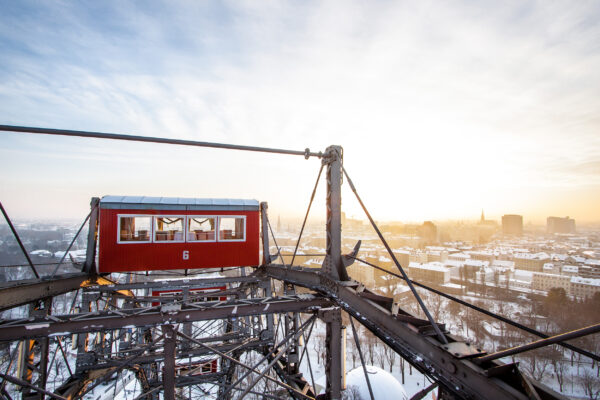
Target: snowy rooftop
(432,266)
(453,263)
(503,263)
(547,275)
(585,281)
(477,263)
(537,256)
(570,268)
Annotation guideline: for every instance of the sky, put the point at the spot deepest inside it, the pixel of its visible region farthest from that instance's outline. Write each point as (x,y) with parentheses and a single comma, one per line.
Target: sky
(443,108)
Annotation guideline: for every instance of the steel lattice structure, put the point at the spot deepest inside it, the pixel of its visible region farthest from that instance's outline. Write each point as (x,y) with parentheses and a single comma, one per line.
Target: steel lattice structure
(249,338)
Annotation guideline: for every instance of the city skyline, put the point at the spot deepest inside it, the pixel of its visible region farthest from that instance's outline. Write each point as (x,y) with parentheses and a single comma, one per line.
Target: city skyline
(497,108)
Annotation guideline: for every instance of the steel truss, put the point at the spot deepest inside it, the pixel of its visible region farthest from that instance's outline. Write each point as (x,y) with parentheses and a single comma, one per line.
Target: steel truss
(251,343)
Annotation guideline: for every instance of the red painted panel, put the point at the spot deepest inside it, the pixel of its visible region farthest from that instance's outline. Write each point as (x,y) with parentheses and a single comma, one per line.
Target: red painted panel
(123,257)
(156,293)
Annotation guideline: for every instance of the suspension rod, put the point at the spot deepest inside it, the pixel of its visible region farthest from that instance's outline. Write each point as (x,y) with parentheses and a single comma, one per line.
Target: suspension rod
(12,228)
(434,325)
(149,139)
(588,330)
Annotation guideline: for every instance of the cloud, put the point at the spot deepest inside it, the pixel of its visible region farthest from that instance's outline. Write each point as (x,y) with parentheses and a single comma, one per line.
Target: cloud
(428,92)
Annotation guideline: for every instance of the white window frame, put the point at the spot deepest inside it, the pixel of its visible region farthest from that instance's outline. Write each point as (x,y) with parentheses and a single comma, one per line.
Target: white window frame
(230,240)
(154,217)
(150,233)
(187,227)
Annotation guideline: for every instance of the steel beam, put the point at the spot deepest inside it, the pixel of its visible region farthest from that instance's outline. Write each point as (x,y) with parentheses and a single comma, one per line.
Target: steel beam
(89,266)
(333,264)
(168,374)
(461,377)
(13,294)
(179,283)
(106,320)
(333,344)
(33,367)
(192,352)
(333,267)
(265,232)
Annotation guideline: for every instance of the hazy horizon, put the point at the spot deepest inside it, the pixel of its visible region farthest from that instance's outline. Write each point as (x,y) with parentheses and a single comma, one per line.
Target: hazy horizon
(443,109)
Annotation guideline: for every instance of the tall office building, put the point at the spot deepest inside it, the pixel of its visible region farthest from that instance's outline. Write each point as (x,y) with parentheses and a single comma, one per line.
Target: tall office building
(560,225)
(512,224)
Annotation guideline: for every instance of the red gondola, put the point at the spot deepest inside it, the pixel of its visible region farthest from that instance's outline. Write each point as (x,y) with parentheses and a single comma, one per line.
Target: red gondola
(158,233)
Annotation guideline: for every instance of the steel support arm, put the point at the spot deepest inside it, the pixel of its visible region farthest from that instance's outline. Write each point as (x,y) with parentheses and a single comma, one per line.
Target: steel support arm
(13,294)
(99,321)
(194,352)
(459,376)
(178,283)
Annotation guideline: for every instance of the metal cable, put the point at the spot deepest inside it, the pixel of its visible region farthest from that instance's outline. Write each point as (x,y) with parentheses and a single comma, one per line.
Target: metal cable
(149,139)
(12,228)
(588,330)
(362,359)
(71,244)
(486,312)
(312,197)
(275,241)
(434,325)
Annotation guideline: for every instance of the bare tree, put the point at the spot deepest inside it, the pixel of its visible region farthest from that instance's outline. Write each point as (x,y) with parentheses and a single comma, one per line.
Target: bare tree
(352,393)
(536,364)
(353,353)
(559,371)
(590,384)
(390,356)
(370,343)
(380,356)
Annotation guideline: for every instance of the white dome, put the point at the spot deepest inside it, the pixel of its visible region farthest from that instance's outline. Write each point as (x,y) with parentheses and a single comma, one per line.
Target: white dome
(384,385)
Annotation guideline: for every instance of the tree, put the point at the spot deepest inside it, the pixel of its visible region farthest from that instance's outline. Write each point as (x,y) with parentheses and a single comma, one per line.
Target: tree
(559,367)
(557,297)
(496,278)
(390,356)
(590,384)
(351,393)
(536,365)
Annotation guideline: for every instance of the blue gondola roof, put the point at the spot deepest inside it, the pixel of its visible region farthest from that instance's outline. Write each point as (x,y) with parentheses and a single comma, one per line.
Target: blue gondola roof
(176,203)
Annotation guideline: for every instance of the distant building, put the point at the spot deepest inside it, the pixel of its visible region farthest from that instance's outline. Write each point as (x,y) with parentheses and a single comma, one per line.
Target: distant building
(584,287)
(560,225)
(437,255)
(570,270)
(483,221)
(587,271)
(428,231)
(459,257)
(482,255)
(512,224)
(531,262)
(403,257)
(503,265)
(430,272)
(418,256)
(543,281)
(474,266)
(550,268)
